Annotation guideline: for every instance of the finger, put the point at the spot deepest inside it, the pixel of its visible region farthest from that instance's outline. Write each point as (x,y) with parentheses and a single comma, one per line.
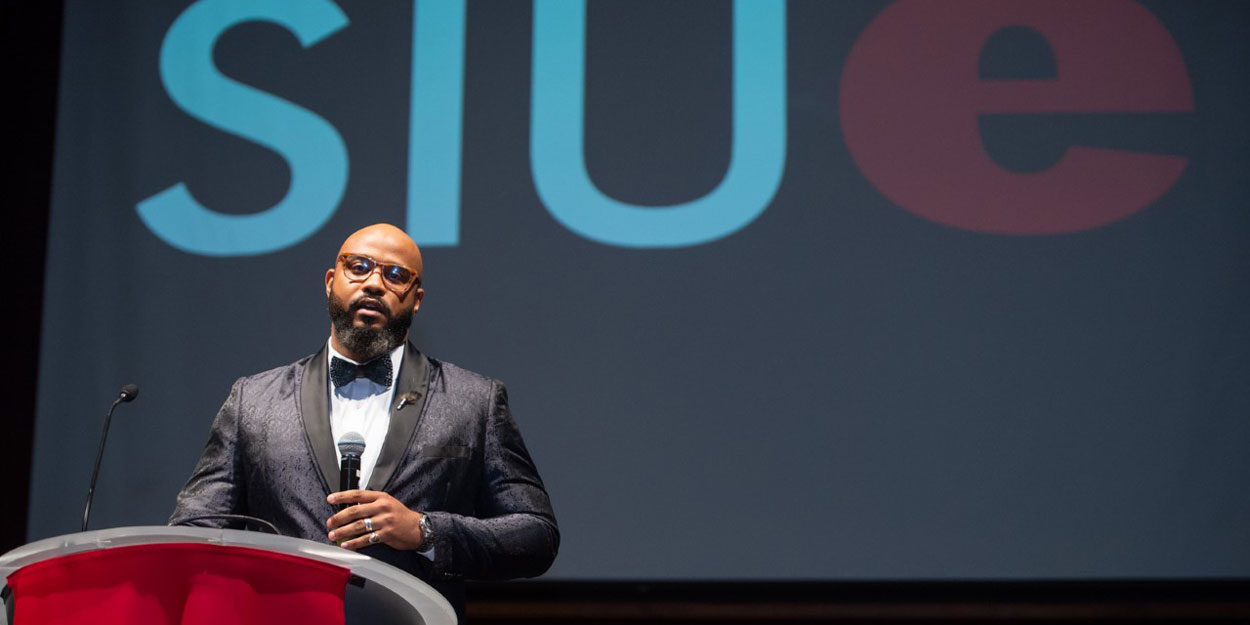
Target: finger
(353,529)
(361,542)
(352,514)
(353,497)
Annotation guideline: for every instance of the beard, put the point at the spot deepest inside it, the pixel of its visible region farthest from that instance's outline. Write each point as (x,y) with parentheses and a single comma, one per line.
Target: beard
(367,342)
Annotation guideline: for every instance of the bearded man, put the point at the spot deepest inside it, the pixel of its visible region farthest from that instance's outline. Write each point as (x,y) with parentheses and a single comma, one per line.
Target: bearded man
(448,490)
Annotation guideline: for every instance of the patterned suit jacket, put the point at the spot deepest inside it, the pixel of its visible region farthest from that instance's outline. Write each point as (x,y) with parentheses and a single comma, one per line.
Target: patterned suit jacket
(455,454)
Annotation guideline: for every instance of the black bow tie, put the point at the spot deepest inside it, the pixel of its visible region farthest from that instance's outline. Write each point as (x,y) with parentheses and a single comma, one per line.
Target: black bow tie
(378,370)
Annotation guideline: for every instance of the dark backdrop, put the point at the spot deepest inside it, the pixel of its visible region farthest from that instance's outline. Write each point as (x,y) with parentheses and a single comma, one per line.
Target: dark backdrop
(31,46)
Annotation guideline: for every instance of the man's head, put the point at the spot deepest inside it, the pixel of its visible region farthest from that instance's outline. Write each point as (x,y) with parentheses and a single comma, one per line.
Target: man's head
(373,289)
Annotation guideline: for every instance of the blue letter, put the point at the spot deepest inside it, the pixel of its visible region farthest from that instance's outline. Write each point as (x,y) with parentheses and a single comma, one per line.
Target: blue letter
(758,148)
(434,123)
(311,146)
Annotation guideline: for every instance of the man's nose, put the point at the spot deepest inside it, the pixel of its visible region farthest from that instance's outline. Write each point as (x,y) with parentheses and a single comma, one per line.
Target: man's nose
(374,280)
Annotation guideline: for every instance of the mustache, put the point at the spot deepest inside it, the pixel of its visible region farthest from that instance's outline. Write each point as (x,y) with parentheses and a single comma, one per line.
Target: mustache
(370,303)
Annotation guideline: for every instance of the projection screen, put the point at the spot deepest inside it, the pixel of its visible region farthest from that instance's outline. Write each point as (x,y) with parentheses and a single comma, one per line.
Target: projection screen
(780,290)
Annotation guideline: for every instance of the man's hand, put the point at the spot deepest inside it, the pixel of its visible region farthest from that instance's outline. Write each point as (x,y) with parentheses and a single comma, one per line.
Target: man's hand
(392,522)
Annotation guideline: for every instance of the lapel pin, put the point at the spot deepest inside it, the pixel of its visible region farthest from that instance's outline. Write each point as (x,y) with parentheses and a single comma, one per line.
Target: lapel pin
(407,398)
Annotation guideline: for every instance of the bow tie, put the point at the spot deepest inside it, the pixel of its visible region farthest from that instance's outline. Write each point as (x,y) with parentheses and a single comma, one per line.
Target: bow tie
(378,370)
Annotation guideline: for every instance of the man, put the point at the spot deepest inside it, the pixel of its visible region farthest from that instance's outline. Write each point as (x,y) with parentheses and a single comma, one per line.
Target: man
(448,490)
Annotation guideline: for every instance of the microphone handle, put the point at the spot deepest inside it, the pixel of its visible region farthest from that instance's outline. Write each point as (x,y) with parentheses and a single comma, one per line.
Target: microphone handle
(99,454)
(349,476)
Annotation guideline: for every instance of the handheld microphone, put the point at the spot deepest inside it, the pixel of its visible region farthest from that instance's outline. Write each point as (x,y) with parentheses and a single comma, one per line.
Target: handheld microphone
(351,447)
(128,393)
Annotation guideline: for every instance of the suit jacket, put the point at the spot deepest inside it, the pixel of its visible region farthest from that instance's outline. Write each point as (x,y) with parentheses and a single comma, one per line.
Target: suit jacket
(454,453)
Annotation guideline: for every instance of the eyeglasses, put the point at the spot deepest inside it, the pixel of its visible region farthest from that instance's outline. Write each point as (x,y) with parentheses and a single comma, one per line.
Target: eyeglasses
(359,267)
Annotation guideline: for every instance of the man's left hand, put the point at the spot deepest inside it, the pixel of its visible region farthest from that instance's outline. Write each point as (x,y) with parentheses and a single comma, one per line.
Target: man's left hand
(392,522)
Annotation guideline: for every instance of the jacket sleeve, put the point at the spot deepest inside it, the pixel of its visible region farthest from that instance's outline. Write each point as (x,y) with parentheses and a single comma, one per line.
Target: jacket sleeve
(513,532)
(215,486)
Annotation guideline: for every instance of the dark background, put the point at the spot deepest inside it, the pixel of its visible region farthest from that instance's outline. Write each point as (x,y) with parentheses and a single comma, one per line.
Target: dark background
(1087,390)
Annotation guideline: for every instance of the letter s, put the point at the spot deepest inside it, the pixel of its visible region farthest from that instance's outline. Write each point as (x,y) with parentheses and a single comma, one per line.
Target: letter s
(310,145)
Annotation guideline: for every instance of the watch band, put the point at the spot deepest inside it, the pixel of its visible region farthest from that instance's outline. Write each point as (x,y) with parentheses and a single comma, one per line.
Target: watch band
(427,533)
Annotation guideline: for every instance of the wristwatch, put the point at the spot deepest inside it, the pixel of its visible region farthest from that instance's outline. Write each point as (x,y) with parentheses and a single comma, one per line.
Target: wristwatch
(427,533)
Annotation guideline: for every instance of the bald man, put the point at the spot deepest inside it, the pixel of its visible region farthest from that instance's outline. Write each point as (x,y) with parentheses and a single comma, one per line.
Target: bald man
(448,490)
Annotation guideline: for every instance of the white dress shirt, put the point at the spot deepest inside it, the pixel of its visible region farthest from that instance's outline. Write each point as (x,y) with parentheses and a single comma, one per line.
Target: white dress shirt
(362,406)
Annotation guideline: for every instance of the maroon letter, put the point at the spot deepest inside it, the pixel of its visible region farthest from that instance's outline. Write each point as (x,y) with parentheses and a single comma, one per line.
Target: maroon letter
(910,99)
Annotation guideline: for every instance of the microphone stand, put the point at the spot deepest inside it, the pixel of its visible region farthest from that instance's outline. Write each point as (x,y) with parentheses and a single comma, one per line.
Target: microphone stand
(124,396)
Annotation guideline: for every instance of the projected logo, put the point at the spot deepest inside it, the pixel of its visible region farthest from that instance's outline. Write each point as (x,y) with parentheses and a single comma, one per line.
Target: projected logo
(910,101)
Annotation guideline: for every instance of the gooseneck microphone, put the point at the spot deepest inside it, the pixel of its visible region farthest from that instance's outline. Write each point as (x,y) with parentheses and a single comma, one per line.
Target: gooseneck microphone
(128,393)
(351,447)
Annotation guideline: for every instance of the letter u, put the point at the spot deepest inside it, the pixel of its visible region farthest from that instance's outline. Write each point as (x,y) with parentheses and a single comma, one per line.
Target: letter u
(758,146)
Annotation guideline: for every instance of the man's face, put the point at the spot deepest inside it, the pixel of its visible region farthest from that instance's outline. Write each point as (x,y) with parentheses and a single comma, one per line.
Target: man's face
(371,315)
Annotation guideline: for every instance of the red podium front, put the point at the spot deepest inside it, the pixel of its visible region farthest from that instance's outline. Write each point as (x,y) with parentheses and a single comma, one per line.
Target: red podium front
(199,576)
(179,584)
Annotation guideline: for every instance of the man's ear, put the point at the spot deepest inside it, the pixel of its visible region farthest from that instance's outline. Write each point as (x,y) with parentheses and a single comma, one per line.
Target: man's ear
(329,280)
(416,304)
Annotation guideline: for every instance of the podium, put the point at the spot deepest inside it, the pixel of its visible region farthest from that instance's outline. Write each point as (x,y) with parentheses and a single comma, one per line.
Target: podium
(231,566)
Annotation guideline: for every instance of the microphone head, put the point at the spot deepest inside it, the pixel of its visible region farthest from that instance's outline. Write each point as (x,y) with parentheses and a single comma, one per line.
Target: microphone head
(352,445)
(129,392)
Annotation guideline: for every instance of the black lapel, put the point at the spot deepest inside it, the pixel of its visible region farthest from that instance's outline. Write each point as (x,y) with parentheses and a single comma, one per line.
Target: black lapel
(411,386)
(314,409)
